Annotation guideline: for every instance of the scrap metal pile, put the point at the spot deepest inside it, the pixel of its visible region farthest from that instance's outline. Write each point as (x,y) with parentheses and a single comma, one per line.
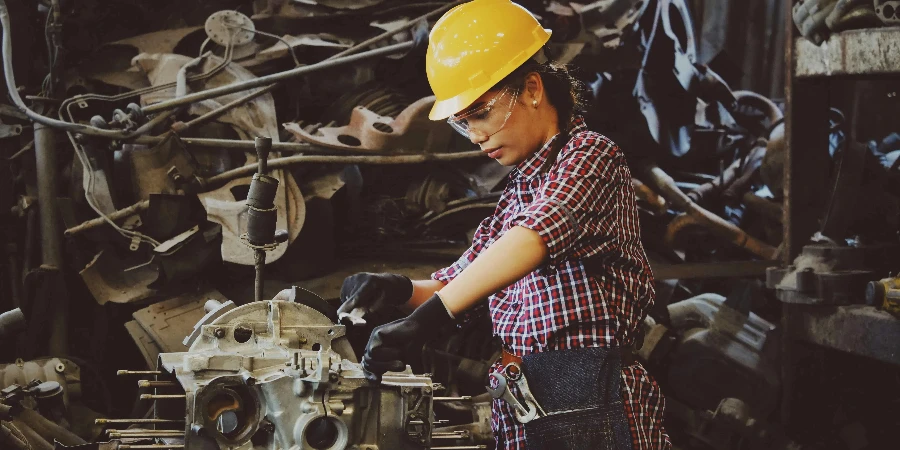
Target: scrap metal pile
(128,155)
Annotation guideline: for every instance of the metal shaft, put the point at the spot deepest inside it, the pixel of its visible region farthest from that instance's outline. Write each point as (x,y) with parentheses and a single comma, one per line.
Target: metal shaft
(465,398)
(150,447)
(259,261)
(275,77)
(46,165)
(138,372)
(131,421)
(162,397)
(156,384)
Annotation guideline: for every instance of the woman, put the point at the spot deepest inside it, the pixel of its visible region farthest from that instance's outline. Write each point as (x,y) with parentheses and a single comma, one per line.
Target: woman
(560,260)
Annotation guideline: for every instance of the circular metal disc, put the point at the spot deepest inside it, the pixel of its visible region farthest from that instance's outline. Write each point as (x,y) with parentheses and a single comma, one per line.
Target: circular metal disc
(221,25)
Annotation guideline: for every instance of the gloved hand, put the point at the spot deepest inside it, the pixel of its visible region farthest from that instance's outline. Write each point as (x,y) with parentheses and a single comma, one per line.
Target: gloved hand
(374,291)
(387,342)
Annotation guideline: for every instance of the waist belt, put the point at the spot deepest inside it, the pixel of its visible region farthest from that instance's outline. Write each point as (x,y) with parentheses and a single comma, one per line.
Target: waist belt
(627,354)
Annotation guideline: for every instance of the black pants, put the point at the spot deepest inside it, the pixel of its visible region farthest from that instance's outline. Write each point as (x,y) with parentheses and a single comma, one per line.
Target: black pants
(581,392)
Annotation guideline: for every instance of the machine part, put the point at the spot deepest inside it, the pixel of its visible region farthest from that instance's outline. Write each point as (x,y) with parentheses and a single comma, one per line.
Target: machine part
(827,274)
(665,185)
(161,327)
(62,371)
(11,322)
(229,27)
(884,294)
(727,352)
(888,11)
(772,169)
(368,131)
(281,374)
(611,20)
(850,14)
(809,17)
(733,426)
(354,159)
(47,173)
(123,213)
(155,170)
(262,213)
(108,282)
(9,130)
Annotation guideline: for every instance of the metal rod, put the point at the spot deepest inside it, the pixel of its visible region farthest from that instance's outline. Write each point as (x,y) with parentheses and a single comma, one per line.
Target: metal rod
(149,447)
(131,421)
(277,163)
(46,167)
(459,447)
(146,433)
(115,215)
(162,396)
(138,372)
(464,398)
(275,77)
(156,384)
(224,109)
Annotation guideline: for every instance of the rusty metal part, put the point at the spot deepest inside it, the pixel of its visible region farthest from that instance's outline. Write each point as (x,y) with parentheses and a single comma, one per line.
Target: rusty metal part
(644,193)
(853,52)
(368,131)
(856,329)
(724,184)
(138,207)
(157,170)
(765,207)
(215,113)
(161,327)
(667,188)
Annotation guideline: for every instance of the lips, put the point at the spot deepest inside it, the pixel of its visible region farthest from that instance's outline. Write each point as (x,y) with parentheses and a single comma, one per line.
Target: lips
(493,153)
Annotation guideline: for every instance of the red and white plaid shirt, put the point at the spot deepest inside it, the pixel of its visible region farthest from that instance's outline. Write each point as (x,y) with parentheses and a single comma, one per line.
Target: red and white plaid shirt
(583,207)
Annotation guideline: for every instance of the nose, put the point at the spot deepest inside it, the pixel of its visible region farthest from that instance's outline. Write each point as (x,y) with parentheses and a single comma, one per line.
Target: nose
(476,137)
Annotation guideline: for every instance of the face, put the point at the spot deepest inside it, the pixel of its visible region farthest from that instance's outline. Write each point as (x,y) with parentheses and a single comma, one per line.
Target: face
(505,125)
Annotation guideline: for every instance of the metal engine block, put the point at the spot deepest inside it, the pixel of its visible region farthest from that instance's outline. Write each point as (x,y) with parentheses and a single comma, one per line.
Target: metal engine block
(281,375)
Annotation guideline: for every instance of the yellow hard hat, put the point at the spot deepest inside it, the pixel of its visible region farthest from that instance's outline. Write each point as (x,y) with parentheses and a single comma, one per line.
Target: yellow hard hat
(475,45)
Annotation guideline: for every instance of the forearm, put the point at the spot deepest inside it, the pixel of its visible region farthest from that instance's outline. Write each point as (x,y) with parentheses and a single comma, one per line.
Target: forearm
(516,254)
(422,291)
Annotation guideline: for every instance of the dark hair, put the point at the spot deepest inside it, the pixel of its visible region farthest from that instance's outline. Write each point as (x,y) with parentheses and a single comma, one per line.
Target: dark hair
(565,92)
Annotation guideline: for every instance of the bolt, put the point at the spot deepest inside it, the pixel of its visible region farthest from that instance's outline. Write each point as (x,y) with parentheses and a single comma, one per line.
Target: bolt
(60,368)
(333,376)
(219,333)
(427,390)
(303,341)
(407,390)
(413,416)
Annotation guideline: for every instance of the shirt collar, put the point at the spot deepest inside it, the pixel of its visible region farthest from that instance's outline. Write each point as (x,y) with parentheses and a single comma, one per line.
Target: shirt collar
(531,166)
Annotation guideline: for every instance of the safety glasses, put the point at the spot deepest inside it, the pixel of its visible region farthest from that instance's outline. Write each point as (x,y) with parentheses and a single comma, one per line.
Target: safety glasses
(488,119)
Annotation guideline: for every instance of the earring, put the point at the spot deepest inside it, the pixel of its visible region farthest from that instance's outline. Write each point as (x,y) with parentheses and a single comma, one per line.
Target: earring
(534,103)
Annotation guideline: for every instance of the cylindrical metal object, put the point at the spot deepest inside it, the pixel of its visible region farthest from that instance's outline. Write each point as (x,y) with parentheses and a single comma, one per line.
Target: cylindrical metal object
(162,397)
(464,398)
(263,147)
(131,421)
(150,447)
(261,226)
(11,322)
(275,77)
(262,192)
(156,384)
(260,261)
(138,372)
(46,168)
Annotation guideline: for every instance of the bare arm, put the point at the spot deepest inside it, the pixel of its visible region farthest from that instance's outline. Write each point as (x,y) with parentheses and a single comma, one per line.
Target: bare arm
(422,290)
(516,254)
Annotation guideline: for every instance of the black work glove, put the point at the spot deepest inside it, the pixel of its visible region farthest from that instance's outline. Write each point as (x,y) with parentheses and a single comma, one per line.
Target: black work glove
(385,348)
(374,291)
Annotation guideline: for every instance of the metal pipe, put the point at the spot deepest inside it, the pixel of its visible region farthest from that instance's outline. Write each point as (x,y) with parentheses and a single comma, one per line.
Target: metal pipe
(49,430)
(116,215)
(156,384)
(464,398)
(667,188)
(46,168)
(242,145)
(11,322)
(163,396)
(8,436)
(222,109)
(35,440)
(131,421)
(273,78)
(138,372)
(277,163)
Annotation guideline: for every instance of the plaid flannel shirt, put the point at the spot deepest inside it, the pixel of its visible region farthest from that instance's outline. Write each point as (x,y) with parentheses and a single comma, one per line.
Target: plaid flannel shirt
(583,207)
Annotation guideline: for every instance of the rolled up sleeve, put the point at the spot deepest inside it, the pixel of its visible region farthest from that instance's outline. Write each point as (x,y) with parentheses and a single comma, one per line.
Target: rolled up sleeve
(576,203)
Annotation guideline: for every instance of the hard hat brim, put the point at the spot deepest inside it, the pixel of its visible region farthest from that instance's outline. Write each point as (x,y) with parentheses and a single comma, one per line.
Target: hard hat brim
(443,109)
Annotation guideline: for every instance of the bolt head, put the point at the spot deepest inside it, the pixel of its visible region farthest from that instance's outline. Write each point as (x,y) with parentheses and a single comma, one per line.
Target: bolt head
(60,368)
(219,333)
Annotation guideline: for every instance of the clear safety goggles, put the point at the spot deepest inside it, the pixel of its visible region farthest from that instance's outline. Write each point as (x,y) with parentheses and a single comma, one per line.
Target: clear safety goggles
(487,119)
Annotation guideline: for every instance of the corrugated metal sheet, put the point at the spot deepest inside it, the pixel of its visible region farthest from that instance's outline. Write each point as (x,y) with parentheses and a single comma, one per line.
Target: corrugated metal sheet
(743,40)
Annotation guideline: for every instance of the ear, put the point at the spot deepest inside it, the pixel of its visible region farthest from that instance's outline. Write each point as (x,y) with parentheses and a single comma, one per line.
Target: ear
(534,89)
